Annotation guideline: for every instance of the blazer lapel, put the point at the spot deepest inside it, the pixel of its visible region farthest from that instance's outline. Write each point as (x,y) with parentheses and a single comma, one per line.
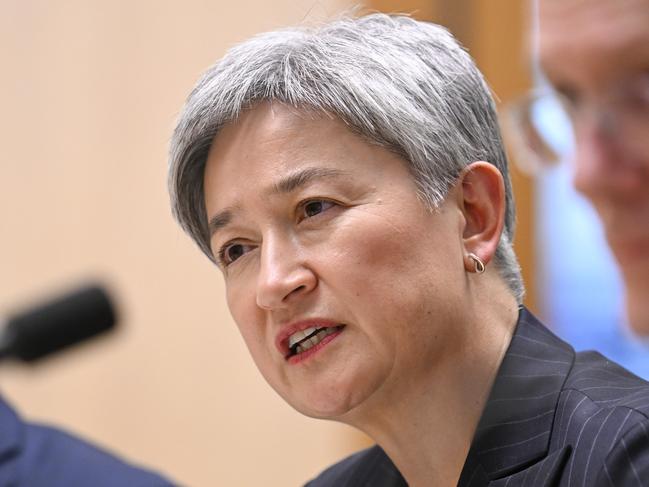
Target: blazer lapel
(514,432)
(544,473)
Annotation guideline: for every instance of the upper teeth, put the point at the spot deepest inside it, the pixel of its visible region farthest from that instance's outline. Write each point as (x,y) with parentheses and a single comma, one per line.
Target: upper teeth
(298,342)
(300,335)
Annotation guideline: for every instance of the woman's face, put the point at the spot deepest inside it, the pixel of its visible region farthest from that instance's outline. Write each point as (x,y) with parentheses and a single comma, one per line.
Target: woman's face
(319,233)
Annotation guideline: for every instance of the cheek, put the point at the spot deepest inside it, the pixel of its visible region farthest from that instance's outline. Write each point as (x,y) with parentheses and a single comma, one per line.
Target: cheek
(249,320)
(387,259)
(239,305)
(406,280)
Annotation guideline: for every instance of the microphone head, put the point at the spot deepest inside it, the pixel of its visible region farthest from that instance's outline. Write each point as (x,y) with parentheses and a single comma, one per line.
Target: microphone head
(59,323)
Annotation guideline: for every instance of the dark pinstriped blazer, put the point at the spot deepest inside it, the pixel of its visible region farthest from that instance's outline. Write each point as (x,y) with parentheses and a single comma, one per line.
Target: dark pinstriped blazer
(554,418)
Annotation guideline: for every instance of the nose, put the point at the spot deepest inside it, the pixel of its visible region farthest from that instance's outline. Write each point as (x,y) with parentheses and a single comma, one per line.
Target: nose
(602,165)
(590,161)
(284,275)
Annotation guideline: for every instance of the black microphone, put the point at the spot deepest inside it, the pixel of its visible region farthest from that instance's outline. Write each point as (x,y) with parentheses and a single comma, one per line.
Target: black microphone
(57,324)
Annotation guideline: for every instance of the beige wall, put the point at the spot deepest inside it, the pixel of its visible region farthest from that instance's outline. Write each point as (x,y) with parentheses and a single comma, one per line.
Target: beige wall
(88,94)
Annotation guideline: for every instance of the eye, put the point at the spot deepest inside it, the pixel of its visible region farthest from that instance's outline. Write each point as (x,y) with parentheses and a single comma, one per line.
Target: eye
(231,252)
(311,208)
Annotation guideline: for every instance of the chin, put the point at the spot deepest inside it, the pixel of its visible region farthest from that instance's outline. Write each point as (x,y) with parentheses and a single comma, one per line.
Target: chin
(331,405)
(333,399)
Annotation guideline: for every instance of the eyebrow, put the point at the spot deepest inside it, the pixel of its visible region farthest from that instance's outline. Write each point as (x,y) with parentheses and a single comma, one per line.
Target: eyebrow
(302,177)
(218,221)
(285,185)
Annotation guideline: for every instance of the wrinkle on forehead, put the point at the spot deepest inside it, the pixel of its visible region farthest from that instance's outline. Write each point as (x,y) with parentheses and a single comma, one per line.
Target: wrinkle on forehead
(257,122)
(608,25)
(269,123)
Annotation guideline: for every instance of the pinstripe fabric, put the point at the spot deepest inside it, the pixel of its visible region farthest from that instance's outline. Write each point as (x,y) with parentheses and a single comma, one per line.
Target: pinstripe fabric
(554,418)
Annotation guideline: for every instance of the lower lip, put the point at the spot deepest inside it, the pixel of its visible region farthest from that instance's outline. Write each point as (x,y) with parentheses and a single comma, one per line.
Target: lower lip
(301,357)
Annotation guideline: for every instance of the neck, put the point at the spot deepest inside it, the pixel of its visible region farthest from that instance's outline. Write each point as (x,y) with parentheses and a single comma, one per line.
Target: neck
(426,423)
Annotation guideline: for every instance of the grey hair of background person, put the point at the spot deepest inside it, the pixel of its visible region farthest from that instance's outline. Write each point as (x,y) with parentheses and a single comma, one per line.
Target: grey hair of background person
(403,84)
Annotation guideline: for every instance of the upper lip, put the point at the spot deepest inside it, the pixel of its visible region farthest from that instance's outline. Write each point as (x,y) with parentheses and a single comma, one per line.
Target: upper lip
(281,340)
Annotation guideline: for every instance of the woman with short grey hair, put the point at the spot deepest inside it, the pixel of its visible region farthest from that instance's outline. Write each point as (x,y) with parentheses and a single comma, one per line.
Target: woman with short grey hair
(433,106)
(349,181)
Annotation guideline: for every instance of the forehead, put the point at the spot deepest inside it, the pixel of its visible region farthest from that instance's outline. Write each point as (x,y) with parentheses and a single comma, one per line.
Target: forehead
(598,36)
(272,141)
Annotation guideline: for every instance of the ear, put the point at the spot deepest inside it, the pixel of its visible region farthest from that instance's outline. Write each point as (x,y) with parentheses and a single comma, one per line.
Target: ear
(481,197)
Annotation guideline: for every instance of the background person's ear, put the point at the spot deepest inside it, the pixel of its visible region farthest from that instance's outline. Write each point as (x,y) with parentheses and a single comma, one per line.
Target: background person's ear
(481,195)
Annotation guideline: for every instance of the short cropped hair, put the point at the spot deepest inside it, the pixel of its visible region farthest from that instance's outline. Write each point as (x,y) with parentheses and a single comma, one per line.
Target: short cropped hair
(406,85)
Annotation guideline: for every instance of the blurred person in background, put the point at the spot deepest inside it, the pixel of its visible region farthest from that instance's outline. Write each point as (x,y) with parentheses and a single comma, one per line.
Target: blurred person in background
(595,55)
(350,183)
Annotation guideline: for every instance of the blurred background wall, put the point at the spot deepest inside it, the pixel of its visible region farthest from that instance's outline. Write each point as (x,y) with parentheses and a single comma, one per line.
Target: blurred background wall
(89,93)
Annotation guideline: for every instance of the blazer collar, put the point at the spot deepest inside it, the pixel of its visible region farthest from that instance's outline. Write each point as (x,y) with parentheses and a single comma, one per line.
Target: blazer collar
(514,430)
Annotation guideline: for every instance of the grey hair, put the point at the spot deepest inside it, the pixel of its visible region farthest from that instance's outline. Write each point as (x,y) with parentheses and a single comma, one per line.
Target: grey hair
(403,84)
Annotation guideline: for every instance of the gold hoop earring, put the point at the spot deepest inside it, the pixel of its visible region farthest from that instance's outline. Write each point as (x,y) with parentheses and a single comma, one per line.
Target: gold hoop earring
(479,266)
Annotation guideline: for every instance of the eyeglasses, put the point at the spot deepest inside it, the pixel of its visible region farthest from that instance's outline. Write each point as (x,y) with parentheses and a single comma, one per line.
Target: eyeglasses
(544,125)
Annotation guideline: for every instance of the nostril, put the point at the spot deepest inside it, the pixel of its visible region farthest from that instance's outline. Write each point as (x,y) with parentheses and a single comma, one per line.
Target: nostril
(277,285)
(297,290)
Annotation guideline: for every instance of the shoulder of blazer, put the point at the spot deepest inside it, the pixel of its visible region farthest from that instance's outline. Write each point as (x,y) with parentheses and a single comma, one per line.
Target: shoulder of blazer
(603,415)
(627,463)
(559,418)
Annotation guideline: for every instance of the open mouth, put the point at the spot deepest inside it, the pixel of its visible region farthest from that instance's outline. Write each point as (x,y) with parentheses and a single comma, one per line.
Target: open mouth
(303,340)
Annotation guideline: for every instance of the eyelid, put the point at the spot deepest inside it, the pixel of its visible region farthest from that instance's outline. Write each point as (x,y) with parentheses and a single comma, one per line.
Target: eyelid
(322,199)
